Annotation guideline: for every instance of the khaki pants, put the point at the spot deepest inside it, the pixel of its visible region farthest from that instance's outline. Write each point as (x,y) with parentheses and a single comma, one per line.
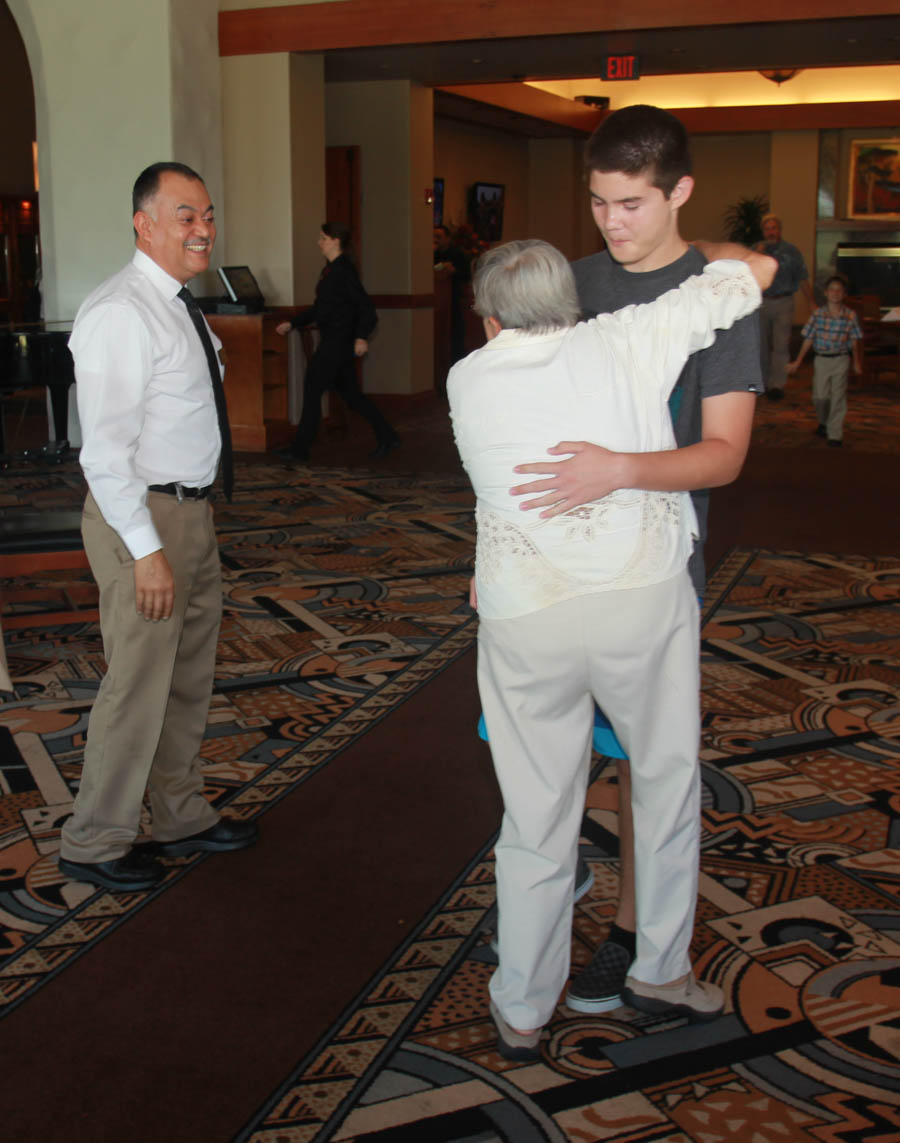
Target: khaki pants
(149,717)
(775,319)
(829,393)
(636,653)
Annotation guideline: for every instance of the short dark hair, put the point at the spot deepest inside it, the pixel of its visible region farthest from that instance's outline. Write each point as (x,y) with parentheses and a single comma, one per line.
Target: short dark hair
(341,232)
(444,228)
(147,183)
(641,140)
(840,281)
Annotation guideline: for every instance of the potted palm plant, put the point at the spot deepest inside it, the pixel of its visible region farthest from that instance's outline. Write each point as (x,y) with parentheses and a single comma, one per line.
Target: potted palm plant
(743,220)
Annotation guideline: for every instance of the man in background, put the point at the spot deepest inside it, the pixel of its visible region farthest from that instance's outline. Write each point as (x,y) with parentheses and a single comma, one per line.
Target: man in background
(446,253)
(777,313)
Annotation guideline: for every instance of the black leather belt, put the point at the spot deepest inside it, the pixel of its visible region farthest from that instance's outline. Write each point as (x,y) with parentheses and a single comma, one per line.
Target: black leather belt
(775,297)
(843,353)
(182,491)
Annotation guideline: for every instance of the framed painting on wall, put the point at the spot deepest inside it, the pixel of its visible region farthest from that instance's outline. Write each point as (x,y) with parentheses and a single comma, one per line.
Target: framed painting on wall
(486,210)
(874,190)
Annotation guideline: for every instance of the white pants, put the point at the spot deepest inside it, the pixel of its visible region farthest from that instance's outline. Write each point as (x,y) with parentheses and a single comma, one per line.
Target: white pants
(635,652)
(829,393)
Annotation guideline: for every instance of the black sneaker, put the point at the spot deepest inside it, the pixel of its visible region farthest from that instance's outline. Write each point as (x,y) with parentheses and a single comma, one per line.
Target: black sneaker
(821,431)
(598,988)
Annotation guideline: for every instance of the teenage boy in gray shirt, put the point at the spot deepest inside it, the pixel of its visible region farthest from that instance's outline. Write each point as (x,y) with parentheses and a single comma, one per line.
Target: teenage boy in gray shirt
(640,176)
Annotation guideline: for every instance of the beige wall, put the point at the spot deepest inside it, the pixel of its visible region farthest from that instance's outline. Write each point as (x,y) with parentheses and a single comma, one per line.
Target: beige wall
(391,123)
(195,101)
(104,102)
(557,195)
(726,168)
(307,87)
(465,153)
(793,185)
(274,148)
(256,114)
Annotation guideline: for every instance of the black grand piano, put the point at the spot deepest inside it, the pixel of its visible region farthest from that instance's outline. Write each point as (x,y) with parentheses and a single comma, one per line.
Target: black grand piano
(30,358)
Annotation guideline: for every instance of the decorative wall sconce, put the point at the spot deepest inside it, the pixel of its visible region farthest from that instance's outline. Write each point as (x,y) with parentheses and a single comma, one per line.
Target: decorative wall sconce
(779,75)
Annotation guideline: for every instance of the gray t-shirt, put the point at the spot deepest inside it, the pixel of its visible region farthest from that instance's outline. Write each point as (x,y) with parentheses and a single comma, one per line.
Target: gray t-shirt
(731,365)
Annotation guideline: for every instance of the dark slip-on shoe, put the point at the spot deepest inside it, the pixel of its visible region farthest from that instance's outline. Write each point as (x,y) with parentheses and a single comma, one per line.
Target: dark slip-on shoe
(136,870)
(225,835)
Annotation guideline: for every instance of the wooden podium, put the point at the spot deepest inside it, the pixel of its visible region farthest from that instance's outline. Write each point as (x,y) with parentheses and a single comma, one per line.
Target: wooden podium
(256,379)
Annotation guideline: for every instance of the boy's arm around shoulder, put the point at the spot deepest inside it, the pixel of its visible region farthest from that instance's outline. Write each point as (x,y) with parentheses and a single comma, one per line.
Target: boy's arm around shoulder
(591,472)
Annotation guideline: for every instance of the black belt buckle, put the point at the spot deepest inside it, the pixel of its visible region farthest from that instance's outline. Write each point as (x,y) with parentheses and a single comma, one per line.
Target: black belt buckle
(181,491)
(189,492)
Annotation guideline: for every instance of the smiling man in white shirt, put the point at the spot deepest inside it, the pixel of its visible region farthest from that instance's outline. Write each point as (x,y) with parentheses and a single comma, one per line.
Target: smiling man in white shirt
(153,420)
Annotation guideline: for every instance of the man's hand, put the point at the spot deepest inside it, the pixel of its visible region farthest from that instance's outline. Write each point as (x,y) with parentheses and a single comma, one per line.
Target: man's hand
(590,473)
(154,586)
(360,347)
(473,594)
(791,368)
(283,327)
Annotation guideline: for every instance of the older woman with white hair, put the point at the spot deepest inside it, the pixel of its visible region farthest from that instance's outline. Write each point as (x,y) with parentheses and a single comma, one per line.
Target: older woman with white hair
(592,605)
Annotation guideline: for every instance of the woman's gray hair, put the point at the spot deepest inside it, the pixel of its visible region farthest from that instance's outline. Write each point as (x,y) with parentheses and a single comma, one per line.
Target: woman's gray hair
(526,285)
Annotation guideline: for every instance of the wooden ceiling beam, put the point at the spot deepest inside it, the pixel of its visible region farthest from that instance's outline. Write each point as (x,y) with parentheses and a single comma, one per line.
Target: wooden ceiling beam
(371,23)
(533,101)
(539,104)
(789,117)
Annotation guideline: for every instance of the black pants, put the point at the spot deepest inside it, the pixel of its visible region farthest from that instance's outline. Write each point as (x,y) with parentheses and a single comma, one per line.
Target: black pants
(333,367)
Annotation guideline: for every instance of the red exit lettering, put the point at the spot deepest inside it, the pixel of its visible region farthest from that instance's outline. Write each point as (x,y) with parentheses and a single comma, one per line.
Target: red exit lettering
(621,67)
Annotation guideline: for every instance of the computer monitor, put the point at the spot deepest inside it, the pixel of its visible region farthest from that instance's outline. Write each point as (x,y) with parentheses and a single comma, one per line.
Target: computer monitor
(241,286)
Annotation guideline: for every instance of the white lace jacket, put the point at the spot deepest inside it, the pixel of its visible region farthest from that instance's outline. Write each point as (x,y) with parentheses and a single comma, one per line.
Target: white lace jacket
(607,381)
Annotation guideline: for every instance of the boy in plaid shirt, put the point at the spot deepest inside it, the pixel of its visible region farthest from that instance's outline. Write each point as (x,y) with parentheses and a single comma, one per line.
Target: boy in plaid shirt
(833,332)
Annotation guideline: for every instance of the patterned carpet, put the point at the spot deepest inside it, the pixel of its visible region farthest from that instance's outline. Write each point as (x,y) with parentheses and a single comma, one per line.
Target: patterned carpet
(344,595)
(872,423)
(798,921)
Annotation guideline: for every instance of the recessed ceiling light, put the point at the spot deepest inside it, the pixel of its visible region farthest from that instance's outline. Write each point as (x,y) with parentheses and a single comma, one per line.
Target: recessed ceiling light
(477,61)
(676,51)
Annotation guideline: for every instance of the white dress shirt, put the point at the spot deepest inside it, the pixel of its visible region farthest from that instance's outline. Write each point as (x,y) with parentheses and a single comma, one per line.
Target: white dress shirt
(606,381)
(145,398)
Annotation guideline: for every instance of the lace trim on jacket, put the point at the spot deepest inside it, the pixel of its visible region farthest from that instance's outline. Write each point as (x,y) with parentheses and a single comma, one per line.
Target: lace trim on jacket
(502,541)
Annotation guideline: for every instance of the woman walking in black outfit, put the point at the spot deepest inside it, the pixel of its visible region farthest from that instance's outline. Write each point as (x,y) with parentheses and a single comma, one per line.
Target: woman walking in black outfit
(344,313)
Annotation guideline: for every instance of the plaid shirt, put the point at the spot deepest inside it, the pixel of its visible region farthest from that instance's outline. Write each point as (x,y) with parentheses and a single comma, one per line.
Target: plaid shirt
(832,334)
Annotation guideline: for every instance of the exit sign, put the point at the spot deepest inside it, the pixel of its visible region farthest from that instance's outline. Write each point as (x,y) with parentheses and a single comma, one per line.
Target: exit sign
(621,67)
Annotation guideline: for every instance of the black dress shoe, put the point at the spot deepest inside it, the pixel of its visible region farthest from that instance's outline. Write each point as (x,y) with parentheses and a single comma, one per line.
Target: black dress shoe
(299,456)
(226,834)
(136,870)
(380,451)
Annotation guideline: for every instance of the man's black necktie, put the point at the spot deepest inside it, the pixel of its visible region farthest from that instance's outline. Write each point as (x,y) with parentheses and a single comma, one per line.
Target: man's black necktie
(218,389)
